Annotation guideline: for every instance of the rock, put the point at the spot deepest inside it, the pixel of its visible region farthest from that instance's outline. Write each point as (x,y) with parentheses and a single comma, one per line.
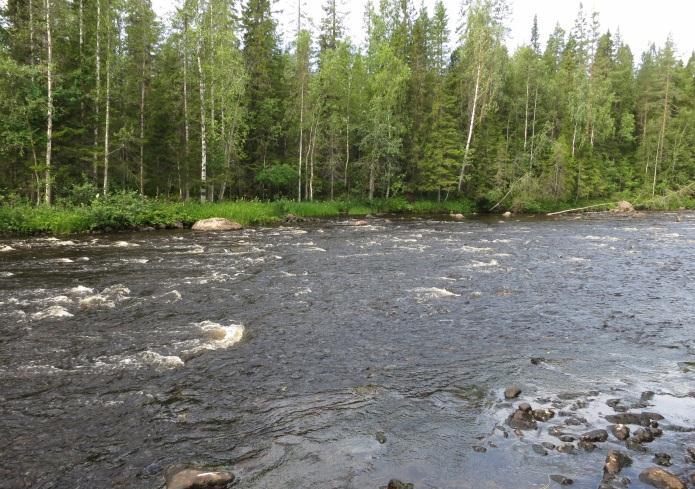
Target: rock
(574,421)
(567,438)
(512,392)
(216,224)
(479,449)
(556,431)
(458,217)
(661,479)
(562,480)
(587,446)
(548,445)
(635,446)
(396,484)
(196,479)
(360,222)
(539,449)
(595,436)
(291,218)
(615,462)
(543,414)
(624,206)
(522,418)
(620,431)
(643,436)
(525,407)
(612,402)
(642,419)
(537,360)
(507,214)
(381,437)
(663,459)
(691,454)
(647,396)
(566,448)
(178,225)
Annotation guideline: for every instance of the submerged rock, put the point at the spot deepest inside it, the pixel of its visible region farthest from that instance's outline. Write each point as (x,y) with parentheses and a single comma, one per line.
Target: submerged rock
(539,449)
(562,480)
(620,431)
(381,437)
(216,224)
(642,419)
(587,445)
(643,436)
(567,448)
(615,462)
(479,449)
(661,479)
(663,459)
(197,479)
(396,484)
(512,392)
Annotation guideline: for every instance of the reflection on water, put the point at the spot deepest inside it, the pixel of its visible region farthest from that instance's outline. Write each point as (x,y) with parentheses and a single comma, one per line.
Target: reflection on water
(339,356)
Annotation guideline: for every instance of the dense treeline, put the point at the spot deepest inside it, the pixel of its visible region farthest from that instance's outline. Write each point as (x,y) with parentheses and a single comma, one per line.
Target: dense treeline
(100,95)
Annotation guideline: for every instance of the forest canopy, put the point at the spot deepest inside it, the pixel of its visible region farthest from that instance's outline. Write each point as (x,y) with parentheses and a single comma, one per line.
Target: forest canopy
(102,96)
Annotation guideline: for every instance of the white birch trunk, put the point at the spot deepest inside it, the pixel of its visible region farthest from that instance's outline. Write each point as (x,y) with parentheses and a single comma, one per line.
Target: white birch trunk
(49,102)
(471,127)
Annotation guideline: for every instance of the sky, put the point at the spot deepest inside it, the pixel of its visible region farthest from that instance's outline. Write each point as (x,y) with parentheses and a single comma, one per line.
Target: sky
(641,22)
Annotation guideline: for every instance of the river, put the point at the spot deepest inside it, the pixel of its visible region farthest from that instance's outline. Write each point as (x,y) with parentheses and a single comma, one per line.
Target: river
(328,355)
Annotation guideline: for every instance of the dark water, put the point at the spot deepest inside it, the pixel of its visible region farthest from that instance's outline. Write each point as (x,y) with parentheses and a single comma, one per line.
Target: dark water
(119,355)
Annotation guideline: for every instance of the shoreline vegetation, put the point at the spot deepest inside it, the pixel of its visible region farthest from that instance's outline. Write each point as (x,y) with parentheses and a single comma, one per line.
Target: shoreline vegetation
(130,212)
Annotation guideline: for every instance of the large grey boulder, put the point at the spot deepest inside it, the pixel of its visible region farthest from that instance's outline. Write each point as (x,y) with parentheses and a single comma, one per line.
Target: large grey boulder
(216,224)
(198,479)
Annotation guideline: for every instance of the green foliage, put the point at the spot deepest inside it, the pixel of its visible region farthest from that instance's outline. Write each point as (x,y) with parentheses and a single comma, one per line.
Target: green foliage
(280,178)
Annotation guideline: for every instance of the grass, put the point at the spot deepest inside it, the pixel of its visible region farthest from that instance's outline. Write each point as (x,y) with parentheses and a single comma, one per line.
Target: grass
(130,212)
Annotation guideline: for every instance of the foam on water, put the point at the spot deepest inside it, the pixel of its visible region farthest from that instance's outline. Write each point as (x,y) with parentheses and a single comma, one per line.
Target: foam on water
(96,301)
(6,248)
(6,274)
(81,290)
(52,313)
(483,264)
(216,336)
(474,249)
(125,244)
(434,292)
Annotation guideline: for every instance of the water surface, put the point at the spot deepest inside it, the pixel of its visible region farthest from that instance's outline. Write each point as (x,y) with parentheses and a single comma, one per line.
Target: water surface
(281,352)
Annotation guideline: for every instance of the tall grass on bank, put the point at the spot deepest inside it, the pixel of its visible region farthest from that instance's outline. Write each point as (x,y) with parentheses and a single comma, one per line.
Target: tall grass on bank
(128,211)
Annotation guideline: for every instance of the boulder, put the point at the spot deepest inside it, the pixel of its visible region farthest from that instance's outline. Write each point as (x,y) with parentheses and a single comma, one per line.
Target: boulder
(586,445)
(661,479)
(539,449)
(595,436)
(216,224)
(615,462)
(198,479)
(567,448)
(512,392)
(620,431)
(624,206)
(643,436)
(360,222)
(458,217)
(507,214)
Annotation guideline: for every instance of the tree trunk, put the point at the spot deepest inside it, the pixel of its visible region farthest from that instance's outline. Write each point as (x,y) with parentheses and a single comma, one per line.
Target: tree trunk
(97,100)
(49,102)
(471,127)
(142,126)
(347,135)
(301,140)
(528,81)
(662,134)
(185,103)
(107,114)
(203,142)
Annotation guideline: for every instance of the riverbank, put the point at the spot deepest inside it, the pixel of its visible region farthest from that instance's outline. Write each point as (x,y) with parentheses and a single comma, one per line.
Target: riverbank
(125,212)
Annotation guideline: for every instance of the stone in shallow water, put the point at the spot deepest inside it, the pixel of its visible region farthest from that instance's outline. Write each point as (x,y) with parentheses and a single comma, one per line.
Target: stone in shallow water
(522,419)
(615,462)
(620,431)
(479,449)
(562,480)
(595,436)
(197,479)
(661,479)
(396,484)
(512,392)
(540,450)
(381,437)
(663,459)
(543,414)
(643,436)
(642,419)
